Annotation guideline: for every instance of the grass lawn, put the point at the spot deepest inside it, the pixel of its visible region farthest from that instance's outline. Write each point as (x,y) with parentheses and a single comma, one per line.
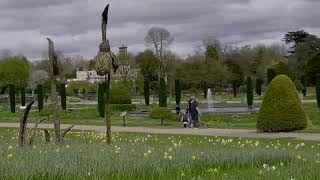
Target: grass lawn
(85,155)
(88,115)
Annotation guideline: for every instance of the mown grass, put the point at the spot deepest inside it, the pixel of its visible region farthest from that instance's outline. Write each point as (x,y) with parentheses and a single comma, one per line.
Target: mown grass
(141,156)
(89,116)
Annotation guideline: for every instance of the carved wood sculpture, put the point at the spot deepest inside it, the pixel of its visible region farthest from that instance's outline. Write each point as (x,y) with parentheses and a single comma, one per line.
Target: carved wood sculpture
(106,61)
(55,69)
(23,124)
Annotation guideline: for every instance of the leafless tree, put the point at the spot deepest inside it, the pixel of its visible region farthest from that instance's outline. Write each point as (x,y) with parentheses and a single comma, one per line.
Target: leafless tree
(159,38)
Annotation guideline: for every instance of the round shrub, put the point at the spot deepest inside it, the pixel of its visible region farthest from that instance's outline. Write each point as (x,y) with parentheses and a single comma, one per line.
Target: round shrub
(123,107)
(281,109)
(119,96)
(161,113)
(46,111)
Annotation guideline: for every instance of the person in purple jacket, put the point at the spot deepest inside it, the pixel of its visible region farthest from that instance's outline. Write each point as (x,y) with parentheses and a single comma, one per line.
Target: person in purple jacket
(194,112)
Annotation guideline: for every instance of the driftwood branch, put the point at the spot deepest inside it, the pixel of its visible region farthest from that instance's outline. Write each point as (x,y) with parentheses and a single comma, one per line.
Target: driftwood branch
(46,135)
(34,132)
(64,133)
(23,123)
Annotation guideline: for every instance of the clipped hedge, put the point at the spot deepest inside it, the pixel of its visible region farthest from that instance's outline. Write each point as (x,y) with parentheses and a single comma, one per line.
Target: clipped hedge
(281,109)
(161,113)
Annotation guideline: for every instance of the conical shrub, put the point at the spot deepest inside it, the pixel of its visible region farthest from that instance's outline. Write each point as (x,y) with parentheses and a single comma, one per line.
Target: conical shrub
(281,109)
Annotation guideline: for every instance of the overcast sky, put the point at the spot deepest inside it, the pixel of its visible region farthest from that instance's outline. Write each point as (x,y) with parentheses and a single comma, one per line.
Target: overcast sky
(74,25)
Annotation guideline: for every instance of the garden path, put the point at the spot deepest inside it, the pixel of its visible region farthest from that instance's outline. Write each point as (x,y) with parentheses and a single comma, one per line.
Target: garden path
(181,131)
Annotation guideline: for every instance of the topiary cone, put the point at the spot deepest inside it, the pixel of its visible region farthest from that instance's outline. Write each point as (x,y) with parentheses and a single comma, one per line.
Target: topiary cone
(281,109)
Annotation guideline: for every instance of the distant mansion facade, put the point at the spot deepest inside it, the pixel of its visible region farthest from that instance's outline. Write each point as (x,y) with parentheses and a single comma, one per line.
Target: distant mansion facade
(123,72)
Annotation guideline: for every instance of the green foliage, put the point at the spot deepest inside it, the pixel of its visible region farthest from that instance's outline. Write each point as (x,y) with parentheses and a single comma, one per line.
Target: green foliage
(162,93)
(146,92)
(12,97)
(101,99)
(178,91)
(123,107)
(74,87)
(258,86)
(119,95)
(271,73)
(63,95)
(14,70)
(281,109)
(211,53)
(318,90)
(161,113)
(249,92)
(304,84)
(40,95)
(312,69)
(23,96)
(46,111)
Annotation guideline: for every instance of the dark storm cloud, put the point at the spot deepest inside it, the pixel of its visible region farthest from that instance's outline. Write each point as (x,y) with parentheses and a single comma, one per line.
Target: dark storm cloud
(74,24)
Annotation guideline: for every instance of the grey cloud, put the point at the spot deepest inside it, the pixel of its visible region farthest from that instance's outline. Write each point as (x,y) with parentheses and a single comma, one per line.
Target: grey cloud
(74,24)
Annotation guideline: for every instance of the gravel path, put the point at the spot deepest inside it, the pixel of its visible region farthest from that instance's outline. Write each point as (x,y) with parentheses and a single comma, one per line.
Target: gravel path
(198,132)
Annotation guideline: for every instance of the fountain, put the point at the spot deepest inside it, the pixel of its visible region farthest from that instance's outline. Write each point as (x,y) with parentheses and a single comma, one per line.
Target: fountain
(210,100)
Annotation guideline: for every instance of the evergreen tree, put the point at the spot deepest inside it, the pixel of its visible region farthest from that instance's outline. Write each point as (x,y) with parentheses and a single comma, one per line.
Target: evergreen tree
(162,93)
(101,99)
(178,91)
(40,96)
(249,92)
(146,92)
(271,73)
(304,84)
(23,96)
(318,89)
(258,86)
(63,96)
(12,97)
(234,88)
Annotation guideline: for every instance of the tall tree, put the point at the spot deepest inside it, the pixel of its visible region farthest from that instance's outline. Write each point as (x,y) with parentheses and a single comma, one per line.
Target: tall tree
(159,38)
(14,70)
